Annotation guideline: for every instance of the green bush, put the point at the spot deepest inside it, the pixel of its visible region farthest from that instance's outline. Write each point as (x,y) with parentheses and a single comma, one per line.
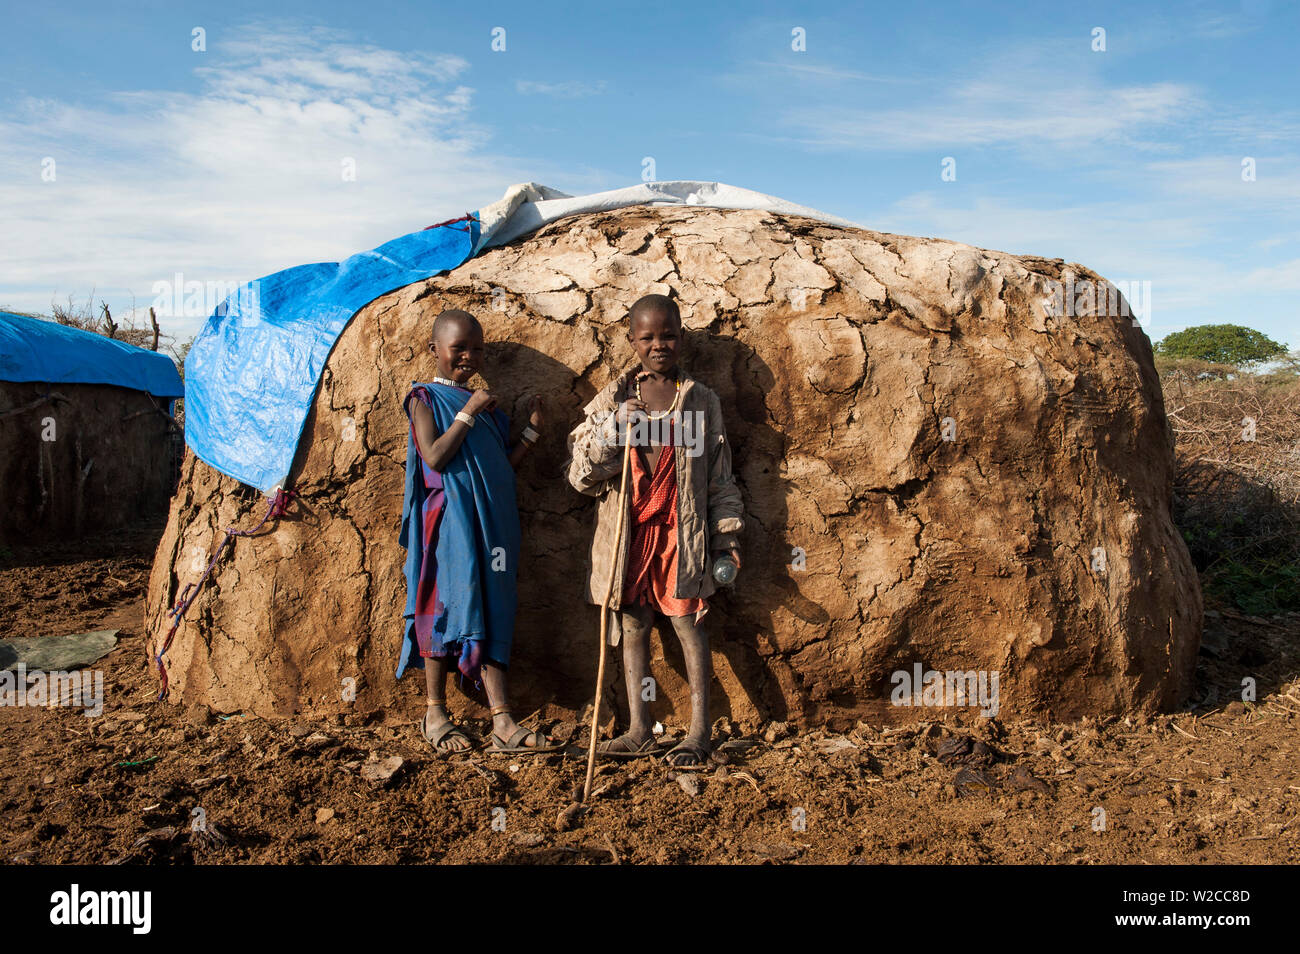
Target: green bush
(1222,344)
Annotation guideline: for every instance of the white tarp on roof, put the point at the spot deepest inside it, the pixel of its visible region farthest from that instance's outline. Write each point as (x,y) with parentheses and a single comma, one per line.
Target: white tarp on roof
(529,206)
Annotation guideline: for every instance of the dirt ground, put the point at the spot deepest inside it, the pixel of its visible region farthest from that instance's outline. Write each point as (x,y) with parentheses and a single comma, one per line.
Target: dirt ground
(151,783)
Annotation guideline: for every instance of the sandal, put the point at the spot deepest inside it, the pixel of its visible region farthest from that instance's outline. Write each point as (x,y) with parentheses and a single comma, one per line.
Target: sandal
(629,750)
(448,730)
(515,745)
(691,753)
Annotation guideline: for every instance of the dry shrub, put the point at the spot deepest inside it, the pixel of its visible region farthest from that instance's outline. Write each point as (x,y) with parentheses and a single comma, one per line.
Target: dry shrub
(1237,488)
(100,320)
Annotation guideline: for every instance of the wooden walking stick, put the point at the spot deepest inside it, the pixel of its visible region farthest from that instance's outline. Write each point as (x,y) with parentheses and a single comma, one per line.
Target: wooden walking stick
(604,613)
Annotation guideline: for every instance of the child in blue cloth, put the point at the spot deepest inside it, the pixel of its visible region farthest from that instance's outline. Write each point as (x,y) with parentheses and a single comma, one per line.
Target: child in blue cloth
(460,527)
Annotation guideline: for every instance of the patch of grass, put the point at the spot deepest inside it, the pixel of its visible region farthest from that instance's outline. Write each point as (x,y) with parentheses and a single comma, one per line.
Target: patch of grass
(1260,584)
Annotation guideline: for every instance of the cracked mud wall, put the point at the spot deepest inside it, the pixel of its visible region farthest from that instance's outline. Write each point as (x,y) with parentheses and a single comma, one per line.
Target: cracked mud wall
(843,359)
(78,459)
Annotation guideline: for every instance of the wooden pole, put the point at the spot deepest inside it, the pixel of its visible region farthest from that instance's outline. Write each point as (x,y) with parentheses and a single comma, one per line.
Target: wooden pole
(604,611)
(110,329)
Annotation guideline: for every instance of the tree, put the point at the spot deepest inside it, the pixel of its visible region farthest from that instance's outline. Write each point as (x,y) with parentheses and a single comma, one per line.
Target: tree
(1222,344)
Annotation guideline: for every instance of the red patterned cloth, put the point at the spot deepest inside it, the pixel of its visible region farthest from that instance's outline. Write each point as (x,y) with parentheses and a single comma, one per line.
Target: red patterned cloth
(652,558)
(427,605)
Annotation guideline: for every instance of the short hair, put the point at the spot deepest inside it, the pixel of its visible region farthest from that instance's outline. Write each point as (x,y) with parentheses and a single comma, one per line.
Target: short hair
(654,303)
(453,317)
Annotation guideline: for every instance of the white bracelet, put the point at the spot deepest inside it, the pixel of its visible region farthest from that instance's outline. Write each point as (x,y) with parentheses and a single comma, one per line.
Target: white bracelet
(530,435)
(466,419)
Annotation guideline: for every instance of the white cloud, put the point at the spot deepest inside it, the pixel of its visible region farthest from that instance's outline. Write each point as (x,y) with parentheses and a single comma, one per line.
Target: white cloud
(571,89)
(1052,229)
(821,71)
(1179,251)
(1218,178)
(1018,113)
(242,177)
(1283,277)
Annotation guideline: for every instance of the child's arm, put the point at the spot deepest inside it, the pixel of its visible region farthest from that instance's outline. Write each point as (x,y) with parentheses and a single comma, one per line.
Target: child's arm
(535,423)
(438,449)
(725,514)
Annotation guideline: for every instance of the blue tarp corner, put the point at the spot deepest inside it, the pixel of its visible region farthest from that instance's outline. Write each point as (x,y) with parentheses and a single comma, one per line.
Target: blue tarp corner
(253,369)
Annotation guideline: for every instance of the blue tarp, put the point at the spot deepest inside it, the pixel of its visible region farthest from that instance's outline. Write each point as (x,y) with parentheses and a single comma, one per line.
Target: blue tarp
(252,372)
(253,369)
(45,351)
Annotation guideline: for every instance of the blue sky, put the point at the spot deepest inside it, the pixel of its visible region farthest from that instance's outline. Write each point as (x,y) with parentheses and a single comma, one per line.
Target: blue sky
(224,165)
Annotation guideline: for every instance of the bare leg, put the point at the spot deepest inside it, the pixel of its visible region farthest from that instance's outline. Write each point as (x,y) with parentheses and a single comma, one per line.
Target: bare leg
(504,725)
(699,671)
(435,715)
(636,622)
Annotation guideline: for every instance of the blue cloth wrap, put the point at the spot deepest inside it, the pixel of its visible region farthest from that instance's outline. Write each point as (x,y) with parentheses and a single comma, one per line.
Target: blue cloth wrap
(478,538)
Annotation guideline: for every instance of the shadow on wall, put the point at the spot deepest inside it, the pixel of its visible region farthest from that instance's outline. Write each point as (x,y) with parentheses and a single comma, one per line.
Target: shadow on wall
(556,645)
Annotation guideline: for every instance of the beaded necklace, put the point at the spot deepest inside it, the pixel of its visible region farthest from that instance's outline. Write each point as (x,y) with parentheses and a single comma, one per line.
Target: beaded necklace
(677,384)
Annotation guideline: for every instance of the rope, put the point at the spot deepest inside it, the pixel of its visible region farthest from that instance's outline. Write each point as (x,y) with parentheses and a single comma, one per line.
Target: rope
(467,217)
(277,508)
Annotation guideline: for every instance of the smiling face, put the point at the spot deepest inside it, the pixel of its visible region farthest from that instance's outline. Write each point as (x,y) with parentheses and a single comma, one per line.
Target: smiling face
(656,336)
(458,346)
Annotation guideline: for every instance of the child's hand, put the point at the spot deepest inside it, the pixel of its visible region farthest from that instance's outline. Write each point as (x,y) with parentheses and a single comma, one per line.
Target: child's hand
(535,412)
(480,401)
(628,408)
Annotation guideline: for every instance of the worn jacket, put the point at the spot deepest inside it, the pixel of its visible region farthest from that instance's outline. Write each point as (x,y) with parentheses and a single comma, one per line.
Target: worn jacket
(709,505)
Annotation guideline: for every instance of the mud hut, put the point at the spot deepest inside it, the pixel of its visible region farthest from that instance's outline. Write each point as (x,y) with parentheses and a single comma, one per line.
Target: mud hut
(87,441)
(943,473)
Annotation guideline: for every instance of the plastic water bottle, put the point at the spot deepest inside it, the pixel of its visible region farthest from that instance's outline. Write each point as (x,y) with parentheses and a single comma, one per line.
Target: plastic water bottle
(725,570)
